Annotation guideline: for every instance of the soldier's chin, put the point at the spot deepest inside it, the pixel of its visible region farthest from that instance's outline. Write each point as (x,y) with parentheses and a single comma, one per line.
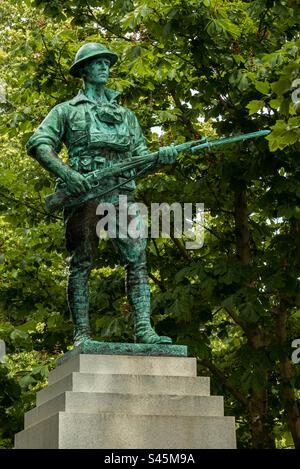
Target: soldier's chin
(102,80)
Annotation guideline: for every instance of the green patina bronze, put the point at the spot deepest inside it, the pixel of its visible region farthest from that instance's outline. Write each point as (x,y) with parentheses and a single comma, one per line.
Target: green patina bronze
(97,132)
(93,347)
(106,150)
(98,179)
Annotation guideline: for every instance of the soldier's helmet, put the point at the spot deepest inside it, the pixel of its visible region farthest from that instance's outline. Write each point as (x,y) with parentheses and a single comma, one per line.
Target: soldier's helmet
(89,51)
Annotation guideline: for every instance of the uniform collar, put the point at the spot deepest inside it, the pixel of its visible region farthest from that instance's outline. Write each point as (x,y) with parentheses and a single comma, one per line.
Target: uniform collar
(82,98)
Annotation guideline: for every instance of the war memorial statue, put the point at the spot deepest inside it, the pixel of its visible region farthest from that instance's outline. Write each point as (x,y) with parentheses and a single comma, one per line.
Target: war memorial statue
(96,131)
(106,147)
(93,386)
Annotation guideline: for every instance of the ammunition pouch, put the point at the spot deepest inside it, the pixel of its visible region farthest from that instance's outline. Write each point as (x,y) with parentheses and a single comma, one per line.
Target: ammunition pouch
(85,162)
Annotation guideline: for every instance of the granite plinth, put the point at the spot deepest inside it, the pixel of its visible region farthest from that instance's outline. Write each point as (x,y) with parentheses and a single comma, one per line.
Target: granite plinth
(127,401)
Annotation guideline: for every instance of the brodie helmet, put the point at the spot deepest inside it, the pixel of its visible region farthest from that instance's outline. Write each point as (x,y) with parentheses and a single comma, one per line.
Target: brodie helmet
(88,51)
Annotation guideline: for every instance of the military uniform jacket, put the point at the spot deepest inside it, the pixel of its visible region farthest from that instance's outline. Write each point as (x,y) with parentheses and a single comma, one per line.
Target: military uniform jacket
(96,135)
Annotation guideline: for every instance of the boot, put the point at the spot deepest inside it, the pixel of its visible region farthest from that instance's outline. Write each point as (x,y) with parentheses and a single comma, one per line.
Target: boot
(144,332)
(78,302)
(138,293)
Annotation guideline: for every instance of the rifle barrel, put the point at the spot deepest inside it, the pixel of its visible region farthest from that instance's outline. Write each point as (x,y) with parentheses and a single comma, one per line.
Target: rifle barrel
(193,146)
(62,198)
(235,138)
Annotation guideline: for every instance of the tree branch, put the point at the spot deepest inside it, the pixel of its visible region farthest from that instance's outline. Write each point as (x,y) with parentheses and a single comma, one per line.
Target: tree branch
(187,122)
(104,26)
(223,379)
(159,283)
(32,207)
(243,324)
(180,247)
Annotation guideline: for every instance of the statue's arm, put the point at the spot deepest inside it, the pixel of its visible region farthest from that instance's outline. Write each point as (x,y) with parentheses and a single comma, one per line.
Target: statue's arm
(46,156)
(44,146)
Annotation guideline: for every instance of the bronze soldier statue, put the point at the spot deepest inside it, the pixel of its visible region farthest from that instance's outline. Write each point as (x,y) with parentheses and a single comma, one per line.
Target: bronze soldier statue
(97,132)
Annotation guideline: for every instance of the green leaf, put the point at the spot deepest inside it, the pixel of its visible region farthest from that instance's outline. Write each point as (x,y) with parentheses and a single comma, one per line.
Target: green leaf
(262,86)
(275,103)
(281,86)
(26,381)
(254,106)
(18,334)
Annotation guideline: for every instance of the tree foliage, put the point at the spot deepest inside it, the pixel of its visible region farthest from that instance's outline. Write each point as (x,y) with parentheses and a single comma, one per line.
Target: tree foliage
(190,67)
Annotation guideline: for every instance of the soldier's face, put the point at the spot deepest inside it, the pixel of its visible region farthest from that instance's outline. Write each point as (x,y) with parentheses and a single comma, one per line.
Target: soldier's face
(96,71)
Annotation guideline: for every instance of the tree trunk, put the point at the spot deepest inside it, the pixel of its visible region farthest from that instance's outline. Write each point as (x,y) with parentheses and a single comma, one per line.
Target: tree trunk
(262,437)
(242,227)
(262,434)
(289,399)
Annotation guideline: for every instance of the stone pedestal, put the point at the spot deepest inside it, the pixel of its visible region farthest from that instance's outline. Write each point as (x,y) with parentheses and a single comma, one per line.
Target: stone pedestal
(119,401)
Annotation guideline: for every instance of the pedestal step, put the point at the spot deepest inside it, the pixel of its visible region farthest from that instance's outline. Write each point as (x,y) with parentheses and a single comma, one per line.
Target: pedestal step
(141,404)
(134,365)
(126,431)
(134,384)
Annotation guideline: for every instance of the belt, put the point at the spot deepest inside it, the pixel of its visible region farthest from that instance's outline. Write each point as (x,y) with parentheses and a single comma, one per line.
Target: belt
(99,152)
(89,160)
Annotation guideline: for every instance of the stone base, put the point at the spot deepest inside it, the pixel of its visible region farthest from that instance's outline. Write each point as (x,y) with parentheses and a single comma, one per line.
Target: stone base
(94,431)
(126,402)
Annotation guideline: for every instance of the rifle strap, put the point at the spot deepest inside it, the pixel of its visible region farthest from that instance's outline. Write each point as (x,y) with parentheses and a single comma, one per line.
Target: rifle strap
(117,186)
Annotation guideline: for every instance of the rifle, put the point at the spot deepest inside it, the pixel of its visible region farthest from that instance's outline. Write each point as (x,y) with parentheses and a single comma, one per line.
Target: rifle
(98,179)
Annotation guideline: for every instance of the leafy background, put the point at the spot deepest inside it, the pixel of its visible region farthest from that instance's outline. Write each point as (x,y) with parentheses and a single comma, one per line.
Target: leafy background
(190,67)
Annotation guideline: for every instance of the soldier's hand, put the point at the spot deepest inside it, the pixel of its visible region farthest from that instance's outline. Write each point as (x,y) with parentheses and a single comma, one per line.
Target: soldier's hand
(76,183)
(167,155)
